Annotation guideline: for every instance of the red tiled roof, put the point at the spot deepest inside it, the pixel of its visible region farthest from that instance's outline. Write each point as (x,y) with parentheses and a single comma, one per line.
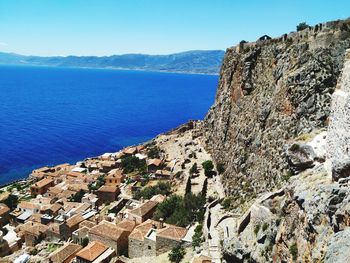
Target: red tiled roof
(92,251)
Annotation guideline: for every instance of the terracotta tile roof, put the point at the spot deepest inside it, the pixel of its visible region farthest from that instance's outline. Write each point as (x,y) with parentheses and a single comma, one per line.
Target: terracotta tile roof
(144,208)
(54,227)
(55,207)
(74,220)
(34,228)
(115,173)
(130,150)
(108,189)
(155,162)
(172,232)
(28,205)
(4,209)
(163,173)
(127,225)
(35,218)
(87,223)
(141,230)
(107,230)
(92,251)
(55,190)
(64,252)
(42,183)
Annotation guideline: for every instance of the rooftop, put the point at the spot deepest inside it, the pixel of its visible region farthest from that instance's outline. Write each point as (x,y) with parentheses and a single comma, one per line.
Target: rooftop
(42,183)
(64,252)
(144,208)
(92,251)
(74,220)
(108,230)
(108,189)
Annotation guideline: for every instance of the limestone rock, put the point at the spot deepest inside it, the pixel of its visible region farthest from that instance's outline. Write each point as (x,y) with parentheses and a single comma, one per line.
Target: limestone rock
(339,247)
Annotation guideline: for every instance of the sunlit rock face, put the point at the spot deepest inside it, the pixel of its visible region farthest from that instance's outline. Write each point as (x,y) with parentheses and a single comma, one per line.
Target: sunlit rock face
(338,147)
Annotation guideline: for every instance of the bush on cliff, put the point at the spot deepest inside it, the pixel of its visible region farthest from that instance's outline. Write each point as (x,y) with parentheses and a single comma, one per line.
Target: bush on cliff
(302,26)
(132,163)
(149,191)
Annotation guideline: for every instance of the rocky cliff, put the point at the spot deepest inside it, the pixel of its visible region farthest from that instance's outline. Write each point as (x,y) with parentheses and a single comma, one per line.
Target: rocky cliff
(270,92)
(279,133)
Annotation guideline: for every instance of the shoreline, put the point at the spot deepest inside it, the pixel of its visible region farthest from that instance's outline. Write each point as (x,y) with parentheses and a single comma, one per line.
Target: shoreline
(115,68)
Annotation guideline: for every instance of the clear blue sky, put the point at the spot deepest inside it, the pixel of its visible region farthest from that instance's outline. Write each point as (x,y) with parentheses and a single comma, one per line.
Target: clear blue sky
(105,27)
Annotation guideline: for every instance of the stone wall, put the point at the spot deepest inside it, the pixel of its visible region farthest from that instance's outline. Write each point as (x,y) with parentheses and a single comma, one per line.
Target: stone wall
(165,244)
(135,248)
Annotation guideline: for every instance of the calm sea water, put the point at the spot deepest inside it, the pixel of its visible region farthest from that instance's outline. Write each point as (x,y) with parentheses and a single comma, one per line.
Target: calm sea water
(53,115)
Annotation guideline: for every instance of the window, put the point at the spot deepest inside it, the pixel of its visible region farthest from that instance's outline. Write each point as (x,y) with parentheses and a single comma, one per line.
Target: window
(149,247)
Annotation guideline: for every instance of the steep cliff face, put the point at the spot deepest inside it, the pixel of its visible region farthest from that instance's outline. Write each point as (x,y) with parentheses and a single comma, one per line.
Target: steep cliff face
(270,92)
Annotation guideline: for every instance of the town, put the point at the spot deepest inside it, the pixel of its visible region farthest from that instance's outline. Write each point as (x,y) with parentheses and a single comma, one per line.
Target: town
(140,202)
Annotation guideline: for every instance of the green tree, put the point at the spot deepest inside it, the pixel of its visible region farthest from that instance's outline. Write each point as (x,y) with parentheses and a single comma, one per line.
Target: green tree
(149,191)
(177,254)
(205,188)
(208,168)
(77,196)
(11,201)
(153,152)
(302,26)
(85,241)
(197,237)
(194,169)
(188,186)
(132,163)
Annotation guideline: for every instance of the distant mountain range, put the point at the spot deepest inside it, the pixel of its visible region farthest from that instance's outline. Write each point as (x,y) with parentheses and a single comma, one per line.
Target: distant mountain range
(197,61)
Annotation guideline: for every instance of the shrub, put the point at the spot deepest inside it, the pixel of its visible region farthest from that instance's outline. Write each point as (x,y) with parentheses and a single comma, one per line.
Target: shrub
(256,229)
(77,196)
(153,152)
(132,163)
(149,191)
(208,165)
(205,188)
(302,26)
(220,168)
(11,201)
(265,226)
(197,237)
(188,186)
(293,249)
(194,169)
(85,241)
(177,254)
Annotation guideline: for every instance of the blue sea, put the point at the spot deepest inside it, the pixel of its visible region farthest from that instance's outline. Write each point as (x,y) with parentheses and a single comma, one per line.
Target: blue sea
(50,116)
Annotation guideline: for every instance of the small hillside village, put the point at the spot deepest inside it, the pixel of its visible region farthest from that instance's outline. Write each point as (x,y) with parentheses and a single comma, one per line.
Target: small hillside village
(140,202)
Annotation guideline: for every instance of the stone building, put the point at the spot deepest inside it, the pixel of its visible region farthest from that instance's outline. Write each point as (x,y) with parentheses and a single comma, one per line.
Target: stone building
(152,238)
(111,235)
(107,194)
(143,212)
(41,187)
(69,226)
(4,214)
(4,246)
(115,177)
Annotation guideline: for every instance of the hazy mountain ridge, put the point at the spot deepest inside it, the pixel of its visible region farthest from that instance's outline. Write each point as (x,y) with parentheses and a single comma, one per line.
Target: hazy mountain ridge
(197,61)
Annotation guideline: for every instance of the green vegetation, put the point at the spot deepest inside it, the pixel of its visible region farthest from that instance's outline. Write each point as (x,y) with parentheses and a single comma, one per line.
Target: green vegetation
(51,247)
(194,169)
(11,201)
(177,254)
(293,249)
(220,168)
(153,152)
(181,211)
(205,188)
(265,226)
(197,237)
(149,191)
(302,26)
(132,163)
(99,182)
(227,203)
(85,241)
(208,168)
(188,189)
(256,229)
(77,196)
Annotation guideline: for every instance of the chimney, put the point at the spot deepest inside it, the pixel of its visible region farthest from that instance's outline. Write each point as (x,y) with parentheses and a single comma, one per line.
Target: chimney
(161,221)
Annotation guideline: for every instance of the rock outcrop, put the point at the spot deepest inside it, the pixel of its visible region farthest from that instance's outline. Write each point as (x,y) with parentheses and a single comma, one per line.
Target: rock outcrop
(280,127)
(269,93)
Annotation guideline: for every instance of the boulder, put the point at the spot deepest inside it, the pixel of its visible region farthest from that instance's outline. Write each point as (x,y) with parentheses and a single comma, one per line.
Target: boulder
(300,157)
(339,247)
(340,169)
